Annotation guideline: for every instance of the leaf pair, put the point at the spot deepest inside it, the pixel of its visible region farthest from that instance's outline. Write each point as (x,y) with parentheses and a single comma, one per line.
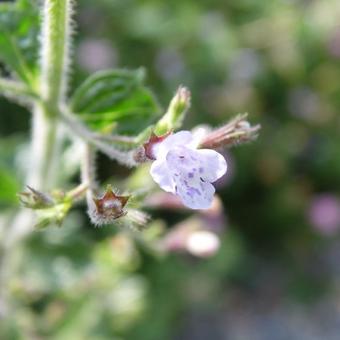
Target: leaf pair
(115,100)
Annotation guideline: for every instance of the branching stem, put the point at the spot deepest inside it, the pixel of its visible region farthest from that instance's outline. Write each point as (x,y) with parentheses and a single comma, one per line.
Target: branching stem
(123,157)
(16,90)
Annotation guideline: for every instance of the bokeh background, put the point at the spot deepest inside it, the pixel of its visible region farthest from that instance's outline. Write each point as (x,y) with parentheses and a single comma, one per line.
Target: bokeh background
(277,272)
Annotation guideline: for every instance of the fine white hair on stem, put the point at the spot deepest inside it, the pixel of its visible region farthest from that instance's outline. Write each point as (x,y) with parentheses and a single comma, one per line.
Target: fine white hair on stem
(17,91)
(88,171)
(88,177)
(77,127)
(56,34)
(136,219)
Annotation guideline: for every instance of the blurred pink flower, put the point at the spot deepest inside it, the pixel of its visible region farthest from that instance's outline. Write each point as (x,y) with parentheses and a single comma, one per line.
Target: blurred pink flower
(170,64)
(202,243)
(94,55)
(324,213)
(334,43)
(198,234)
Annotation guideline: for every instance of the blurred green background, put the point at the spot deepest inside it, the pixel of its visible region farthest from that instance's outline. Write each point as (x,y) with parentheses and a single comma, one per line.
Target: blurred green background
(277,273)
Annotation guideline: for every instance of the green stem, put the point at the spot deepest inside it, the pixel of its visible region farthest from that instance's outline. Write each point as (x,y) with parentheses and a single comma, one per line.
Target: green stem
(88,171)
(44,147)
(80,130)
(45,140)
(56,33)
(16,90)
(53,79)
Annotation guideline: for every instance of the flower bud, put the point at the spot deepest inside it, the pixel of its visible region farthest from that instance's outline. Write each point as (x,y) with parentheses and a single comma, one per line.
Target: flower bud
(237,131)
(139,155)
(50,209)
(175,114)
(108,208)
(180,102)
(35,199)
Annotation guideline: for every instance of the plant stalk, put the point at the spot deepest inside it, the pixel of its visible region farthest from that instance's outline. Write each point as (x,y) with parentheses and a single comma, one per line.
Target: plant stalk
(43,155)
(44,150)
(56,35)
(88,172)
(79,129)
(16,90)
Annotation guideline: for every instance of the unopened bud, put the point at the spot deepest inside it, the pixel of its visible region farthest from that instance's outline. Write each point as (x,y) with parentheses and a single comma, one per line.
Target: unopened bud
(237,131)
(35,199)
(106,209)
(180,102)
(139,155)
(52,208)
(175,114)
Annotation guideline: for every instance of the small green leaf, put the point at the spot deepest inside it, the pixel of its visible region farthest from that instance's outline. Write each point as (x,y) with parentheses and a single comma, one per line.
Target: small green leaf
(116,100)
(19,33)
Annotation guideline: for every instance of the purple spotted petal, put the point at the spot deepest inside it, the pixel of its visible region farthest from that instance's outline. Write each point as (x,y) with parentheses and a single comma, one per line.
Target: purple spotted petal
(212,165)
(183,165)
(196,195)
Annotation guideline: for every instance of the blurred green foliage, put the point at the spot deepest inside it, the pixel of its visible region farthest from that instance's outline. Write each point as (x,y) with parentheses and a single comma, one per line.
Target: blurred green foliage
(19,27)
(280,61)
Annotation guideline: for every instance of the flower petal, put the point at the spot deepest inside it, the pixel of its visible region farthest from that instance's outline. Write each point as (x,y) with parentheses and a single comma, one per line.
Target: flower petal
(183,164)
(196,197)
(212,165)
(177,139)
(161,175)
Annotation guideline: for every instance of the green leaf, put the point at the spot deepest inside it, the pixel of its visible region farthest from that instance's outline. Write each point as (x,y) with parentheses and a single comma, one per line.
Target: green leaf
(19,33)
(116,100)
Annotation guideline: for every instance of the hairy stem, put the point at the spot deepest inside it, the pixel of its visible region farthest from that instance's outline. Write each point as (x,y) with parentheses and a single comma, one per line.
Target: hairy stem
(43,154)
(53,79)
(78,192)
(56,33)
(88,171)
(16,90)
(123,157)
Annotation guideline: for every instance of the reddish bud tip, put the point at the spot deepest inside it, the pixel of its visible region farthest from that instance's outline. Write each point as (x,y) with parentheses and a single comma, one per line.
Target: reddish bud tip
(153,140)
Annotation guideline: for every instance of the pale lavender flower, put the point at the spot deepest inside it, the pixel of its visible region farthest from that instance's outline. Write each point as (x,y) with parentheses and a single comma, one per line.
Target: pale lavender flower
(184,170)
